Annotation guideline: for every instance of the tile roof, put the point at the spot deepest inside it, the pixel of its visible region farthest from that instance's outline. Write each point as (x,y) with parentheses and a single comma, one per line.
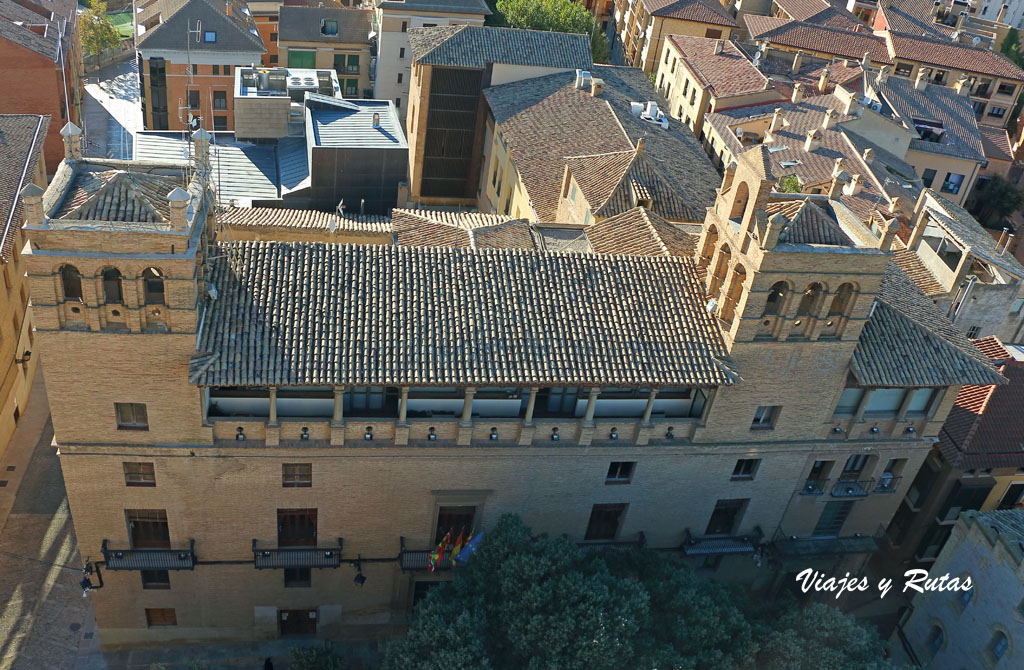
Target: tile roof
(996,143)
(968,233)
(476,46)
(563,238)
(821,39)
(1010,521)
(821,13)
(993,349)
(778,66)
(641,232)
(984,429)
(272,218)
(726,74)
(441,228)
(936,103)
(438,6)
(234,33)
(898,20)
(916,270)
(953,55)
(313,313)
(302,24)
(16,17)
(907,342)
(808,224)
(118,195)
(21,142)
(699,11)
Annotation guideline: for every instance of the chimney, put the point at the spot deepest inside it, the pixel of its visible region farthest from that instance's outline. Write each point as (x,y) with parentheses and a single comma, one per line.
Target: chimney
(227,8)
(813,140)
(868,155)
(837,184)
(895,205)
(376,120)
(888,234)
(776,224)
(920,220)
(178,198)
(1002,13)
(640,146)
(798,60)
(1009,241)
(823,79)
(837,167)
(921,82)
(798,94)
(855,185)
(829,119)
(962,86)
(718,46)
(72,141)
(777,121)
(1000,243)
(201,140)
(865,63)
(960,18)
(596,86)
(936,6)
(883,75)
(32,203)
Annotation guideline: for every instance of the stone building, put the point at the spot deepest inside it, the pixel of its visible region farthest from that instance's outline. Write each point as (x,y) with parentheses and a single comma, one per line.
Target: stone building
(296,424)
(638,29)
(324,37)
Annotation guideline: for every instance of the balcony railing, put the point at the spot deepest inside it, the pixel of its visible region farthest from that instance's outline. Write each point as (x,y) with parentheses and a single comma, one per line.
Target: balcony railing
(888,484)
(852,488)
(792,546)
(814,487)
(150,559)
(296,557)
(637,543)
(713,545)
(419,559)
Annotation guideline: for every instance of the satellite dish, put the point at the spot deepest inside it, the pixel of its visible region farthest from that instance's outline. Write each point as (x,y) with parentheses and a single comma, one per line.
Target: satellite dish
(975,41)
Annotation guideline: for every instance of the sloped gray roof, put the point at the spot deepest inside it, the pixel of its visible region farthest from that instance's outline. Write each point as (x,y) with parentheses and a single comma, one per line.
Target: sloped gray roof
(302,24)
(312,313)
(476,46)
(937,103)
(235,33)
(440,6)
(21,142)
(349,123)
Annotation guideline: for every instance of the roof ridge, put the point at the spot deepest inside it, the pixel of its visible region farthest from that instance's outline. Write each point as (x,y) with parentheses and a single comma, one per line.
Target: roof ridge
(654,231)
(455,30)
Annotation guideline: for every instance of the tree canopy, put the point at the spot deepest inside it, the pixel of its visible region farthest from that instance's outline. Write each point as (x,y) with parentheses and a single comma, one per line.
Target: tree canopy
(994,200)
(98,31)
(545,604)
(565,16)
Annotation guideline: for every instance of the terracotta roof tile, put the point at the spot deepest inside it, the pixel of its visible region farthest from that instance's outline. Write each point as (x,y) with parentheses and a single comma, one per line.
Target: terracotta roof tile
(21,142)
(640,232)
(995,143)
(821,13)
(823,39)
(440,228)
(984,429)
(699,11)
(118,195)
(953,55)
(274,218)
(727,74)
(993,349)
(914,267)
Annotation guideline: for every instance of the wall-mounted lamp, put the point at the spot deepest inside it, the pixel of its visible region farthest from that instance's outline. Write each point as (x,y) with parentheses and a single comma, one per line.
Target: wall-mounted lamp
(837,430)
(614,434)
(239,434)
(305,434)
(432,435)
(494,432)
(554,435)
(25,358)
(911,430)
(360,578)
(368,435)
(670,433)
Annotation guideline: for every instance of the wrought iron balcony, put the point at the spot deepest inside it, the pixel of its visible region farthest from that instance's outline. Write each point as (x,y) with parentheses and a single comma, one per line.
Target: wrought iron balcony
(419,559)
(814,487)
(852,488)
(150,559)
(802,547)
(714,545)
(888,484)
(637,543)
(280,558)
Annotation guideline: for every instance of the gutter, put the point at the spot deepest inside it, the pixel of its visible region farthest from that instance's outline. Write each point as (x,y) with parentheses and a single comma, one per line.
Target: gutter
(21,183)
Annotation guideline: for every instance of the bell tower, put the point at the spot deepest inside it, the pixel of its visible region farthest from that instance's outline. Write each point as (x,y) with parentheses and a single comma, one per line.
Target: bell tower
(116,264)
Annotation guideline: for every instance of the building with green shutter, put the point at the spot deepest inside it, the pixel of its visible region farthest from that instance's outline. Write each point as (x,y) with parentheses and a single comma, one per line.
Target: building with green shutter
(325,37)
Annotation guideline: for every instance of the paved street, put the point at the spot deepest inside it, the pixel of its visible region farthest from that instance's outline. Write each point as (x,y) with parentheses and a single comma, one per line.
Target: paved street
(112,110)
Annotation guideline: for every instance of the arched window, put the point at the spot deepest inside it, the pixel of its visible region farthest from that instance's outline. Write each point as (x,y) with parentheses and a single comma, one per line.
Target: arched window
(71,282)
(739,201)
(998,646)
(732,296)
(842,303)
(112,292)
(776,299)
(153,286)
(710,242)
(811,301)
(720,271)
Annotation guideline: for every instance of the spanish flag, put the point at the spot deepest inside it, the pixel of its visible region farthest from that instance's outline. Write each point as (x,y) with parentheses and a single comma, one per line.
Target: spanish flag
(457,547)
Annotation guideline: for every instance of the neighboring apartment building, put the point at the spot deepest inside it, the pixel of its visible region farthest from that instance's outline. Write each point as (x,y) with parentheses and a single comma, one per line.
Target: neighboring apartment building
(446,118)
(593,145)
(378,396)
(976,628)
(392,21)
(699,75)
(22,137)
(320,37)
(819,12)
(638,31)
(42,74)
(187,50)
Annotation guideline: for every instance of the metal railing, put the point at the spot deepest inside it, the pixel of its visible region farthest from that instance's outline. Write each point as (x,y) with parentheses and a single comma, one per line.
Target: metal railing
(711,545)
(419,559)
(852,488)
(279,558)
(150,559)
(888,484)
(814,487)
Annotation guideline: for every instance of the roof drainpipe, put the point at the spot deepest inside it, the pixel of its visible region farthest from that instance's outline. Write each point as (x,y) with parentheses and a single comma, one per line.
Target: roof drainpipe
(967,292)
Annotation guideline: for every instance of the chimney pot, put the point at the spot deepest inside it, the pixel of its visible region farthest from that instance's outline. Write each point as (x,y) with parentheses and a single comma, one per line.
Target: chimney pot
(72,141)
(777,121)
(883,75)
(798,93)
(960,18)
(719,44)
(829,118)
(823,79)
(999,244)
(921,82)
(889,230)
(178,199)
(596,86)
(855,185)
(798,60)
(813,140)
(32,204)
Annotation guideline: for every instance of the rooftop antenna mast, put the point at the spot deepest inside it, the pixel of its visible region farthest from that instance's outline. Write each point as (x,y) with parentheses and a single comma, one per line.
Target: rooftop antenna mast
(184,114)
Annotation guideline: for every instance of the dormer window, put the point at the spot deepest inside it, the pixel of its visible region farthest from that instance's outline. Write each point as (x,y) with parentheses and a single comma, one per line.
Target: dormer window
(209,36)
(328,26)
(930,131)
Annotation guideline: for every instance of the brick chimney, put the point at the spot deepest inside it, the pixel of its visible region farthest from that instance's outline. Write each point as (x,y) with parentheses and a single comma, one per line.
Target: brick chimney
(32,204)
(798,94)
(178,199)
(201,141)
(921,81)
(829,118)
(889,230)
(798,60)
(813,141)
(72,141)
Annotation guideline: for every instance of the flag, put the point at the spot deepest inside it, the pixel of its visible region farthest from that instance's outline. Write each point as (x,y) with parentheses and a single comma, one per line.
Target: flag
(457,547)
(469,548)
(437,555)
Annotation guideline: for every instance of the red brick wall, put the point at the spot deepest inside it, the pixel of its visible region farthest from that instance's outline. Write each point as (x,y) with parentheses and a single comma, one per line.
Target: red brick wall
(32,86)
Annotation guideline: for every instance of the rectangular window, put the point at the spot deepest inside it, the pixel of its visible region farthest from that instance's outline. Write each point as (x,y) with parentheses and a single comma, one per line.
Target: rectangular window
(227,70)
(400,77)
(928,178)
(296,527)
(952,183)
(351,87)
(405,26)
(973,332)
(220,122)
(454,519)
(398,103)
(220,99)
(139,474)
(620,472)
(726,517)
(216,69)
(273,59)
(209,36)
(195,69)
(273,37)
(849,401)
(764,417)
(572,194)
(904,69)
(832,518)
(1007,89)
(297,578)
(148,528)
(401,52)
(885,402)
(996,112)
(854,466)
(160,616)
(193,99)
(296,475)
(605,521)
(712,33)
(920,401)
(939,76)
(131,416)
(745,468)
(353,63)
(301,59)
(156,579)
(328,26)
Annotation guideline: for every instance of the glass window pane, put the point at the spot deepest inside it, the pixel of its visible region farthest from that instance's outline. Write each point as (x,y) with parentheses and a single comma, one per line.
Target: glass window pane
(885,401)
(919,401)
(849,401)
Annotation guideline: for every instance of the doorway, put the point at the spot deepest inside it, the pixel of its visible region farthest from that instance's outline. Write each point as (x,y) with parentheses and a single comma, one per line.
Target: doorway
(296,622)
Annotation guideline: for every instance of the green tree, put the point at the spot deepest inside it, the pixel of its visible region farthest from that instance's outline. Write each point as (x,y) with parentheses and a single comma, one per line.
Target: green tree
(1011,47)
(545,604)
(789,184)
(564,16)
(995,201)
(315,658)
(98,31)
